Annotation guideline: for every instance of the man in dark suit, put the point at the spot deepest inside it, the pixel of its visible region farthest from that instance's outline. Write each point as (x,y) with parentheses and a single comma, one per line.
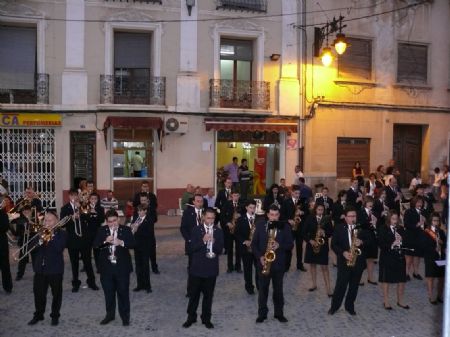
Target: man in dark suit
(224,195)
(4,252)
(288,209)
(245,229)
(79,242)
(94,219)
(152,200)
(48,266)
(205,246)
(393,195)
(143,229)
(229,215)
(145,201)
(282,243)
(192,217)
(354,195)
(326,201)
(347,276)
(31,196)
(114,241)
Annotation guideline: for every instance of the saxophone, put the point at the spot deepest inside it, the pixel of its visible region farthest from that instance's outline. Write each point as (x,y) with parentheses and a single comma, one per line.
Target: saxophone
(269,255)
(320,241)
(297,218)
(354,250)
(250,236)
(236,216)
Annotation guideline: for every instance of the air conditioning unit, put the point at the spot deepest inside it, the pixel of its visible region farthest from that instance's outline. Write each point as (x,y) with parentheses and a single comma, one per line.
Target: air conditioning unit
(176,125)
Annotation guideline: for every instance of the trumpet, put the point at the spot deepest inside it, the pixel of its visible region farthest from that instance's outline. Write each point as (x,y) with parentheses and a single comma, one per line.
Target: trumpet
(209,245)
(43,236)
(112,248)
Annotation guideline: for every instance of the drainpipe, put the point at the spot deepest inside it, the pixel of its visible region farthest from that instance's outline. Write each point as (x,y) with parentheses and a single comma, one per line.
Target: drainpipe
(303,57)
(446,329)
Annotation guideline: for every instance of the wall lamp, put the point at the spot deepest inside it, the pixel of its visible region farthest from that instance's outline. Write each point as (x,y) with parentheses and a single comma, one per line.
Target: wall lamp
(322,33)
(275,57)
(190,4)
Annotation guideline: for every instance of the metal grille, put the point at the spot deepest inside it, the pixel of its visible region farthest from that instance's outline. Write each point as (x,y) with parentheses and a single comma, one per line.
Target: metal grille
(27,157)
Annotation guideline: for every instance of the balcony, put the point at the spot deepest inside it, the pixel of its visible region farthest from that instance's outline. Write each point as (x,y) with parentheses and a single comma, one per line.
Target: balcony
(38,95)
(239,94)
(243,5)
(117,89)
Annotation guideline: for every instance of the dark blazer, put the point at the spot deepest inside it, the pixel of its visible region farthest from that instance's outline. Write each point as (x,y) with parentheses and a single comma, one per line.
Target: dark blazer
(269,200)
(284,239)
(226,214)
(337,212)
(94,221)
(390,199)
(351,198)
(4,227)
(321,201)
(144,234)
(35,202)
(202,266)
(287,211)
(73,240)
(152,205)
(310,227)
(340,244)
(242,231)
(123,265)
(188,223)
(221,199)
(205,202)
(378,185)
(49,258)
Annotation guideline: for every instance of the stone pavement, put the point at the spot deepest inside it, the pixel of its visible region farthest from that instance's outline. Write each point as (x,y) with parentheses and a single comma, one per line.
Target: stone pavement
(162,312)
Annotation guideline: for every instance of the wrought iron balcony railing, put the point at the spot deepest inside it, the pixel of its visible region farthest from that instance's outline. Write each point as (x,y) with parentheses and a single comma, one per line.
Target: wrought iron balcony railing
(244,5)
(146,1)
(239,94)
(116,89)
(38,95)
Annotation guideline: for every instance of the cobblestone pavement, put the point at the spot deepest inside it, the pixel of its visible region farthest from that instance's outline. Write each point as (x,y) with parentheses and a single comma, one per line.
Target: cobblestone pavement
(162,312)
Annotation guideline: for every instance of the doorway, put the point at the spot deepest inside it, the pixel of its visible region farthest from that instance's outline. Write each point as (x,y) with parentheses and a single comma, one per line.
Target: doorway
(407,151)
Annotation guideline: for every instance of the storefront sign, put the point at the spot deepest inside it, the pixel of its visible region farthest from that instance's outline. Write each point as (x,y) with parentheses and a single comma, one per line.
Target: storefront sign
(29,119)
(291,144)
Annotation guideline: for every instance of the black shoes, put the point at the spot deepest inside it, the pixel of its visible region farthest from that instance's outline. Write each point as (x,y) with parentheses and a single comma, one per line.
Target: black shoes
(387,307)
(138,289)
(371,282)
(281,318)
(19,277)
(301,268)
(55,321)
(35,320)
(189,322)
(208,324)
(148,290)
(75,289)
(403,306)
(434,302)
(417,276)
(156,271)
(126,323)
(229,271)
(106,320)
(331,312)
(250,291)
(261,319)
(93,287)
(408,278)
(239,271)
(351,311)
(312,289)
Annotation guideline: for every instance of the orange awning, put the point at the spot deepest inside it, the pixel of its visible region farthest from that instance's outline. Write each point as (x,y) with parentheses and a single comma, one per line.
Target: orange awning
(251,124)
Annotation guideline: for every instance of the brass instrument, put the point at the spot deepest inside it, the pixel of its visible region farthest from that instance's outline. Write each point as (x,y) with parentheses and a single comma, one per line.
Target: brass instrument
(354,250)
(14,212)
(269,255)
(209,245)
(77,221)
(236,216)
(320,241)
(83,198)
(251,233)
(112,248)
(438,244)
(297,218)
(43,236)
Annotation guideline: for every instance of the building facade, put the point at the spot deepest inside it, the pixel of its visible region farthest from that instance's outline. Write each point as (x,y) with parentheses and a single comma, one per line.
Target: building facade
(91,86)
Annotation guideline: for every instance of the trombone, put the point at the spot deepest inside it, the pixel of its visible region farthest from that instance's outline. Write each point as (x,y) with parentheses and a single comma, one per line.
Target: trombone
(43,236)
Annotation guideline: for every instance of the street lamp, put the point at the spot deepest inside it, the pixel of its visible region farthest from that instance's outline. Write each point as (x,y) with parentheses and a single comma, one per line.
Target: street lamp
(322,33)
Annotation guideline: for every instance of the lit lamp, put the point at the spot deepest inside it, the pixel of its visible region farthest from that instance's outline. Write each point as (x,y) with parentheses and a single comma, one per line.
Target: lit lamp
(326,56)
(340,43)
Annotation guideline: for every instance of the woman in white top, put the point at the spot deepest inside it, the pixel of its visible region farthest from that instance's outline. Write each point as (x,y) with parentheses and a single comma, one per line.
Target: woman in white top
(417,180)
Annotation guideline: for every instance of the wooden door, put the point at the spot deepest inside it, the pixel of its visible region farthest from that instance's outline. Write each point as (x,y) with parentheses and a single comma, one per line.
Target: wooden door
(407,151)
(349,151)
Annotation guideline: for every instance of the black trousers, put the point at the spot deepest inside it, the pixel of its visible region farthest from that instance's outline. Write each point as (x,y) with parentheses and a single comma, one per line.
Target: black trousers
(346,278)
(263,294)
(5,268)
(85,254)
(249,260)
(244,188)
(298,239)
(232,245)
(205,286)
(142,261)
(153,254)
(41,282)
(22,264)
(96,253)
(188,287)
(116,284)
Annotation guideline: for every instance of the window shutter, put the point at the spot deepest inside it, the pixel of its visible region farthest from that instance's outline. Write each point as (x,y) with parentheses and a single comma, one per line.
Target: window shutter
(356,62)
(412,63)
(132,50)
(17,57)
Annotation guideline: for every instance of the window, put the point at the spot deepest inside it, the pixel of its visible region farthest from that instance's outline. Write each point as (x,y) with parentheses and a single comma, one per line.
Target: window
(412,63)
(132,62)
(82,152)
(349,151)
(236,60)
(249,5)
(356,62)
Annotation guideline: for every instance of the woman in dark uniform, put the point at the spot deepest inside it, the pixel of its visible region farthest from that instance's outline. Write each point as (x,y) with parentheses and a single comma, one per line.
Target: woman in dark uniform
(368,222)
(272,197)
(414,222)
(433,243)
(316,254)
(339,206)
(392,260)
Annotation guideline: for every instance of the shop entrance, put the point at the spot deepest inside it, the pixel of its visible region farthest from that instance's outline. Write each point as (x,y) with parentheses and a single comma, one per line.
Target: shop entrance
(262,151)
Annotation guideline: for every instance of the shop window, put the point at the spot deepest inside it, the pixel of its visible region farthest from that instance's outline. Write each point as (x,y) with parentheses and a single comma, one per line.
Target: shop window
(356,62)
(82,154)
(412,63)
(349,151)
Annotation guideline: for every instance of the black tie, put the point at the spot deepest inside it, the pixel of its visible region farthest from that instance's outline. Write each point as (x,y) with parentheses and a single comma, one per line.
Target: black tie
(199,217)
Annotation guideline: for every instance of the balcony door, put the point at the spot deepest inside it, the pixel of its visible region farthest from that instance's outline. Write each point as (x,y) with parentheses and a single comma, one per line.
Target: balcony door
(236,57)
(132,62)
